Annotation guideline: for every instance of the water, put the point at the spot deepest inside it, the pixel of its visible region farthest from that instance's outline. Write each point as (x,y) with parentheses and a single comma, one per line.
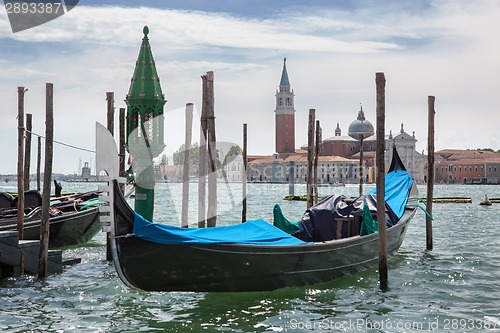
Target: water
(454,288)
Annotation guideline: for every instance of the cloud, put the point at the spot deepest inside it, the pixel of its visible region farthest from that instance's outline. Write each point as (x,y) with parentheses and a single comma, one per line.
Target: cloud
(444,48)
(190,29)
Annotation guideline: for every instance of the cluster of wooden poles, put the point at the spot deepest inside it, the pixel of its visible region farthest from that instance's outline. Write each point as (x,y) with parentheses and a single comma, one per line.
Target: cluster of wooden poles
(23,170)
(207,171)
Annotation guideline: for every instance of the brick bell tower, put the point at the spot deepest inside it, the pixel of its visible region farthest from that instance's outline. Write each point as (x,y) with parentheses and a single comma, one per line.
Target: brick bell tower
(285,115)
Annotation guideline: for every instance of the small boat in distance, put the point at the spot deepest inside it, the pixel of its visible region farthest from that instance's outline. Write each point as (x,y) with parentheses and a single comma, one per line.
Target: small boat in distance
(332,184)
(250,256)
(485,201)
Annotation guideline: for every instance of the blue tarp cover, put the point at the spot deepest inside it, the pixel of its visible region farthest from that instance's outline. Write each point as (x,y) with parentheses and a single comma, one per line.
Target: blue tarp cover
(397,188)
(256,232)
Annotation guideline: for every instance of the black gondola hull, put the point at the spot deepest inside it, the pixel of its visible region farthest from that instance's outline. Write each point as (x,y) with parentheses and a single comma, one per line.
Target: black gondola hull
(235,267)
(70,228)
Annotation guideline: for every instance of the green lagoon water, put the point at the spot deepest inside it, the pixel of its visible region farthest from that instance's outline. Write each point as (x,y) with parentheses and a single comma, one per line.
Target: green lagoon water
(454,288)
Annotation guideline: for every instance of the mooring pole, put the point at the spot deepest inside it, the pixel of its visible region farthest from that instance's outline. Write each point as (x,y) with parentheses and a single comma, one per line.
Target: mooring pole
(361,165)
(310,157)
(27,151)
(291,178)
(382,233)
(110,115)
(316,157)
(430,171)
(186,166)
(47,175)
(202,167)
(121,125)
(20,161)
(38,164)
(244,177)
(110,98)
(212,154)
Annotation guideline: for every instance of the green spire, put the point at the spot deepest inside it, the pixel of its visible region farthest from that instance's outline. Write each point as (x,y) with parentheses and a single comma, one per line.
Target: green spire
(145,101)
(145,86)
(284,76)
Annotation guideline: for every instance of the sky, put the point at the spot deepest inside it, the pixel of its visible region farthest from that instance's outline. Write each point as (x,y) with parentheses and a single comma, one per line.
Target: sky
(445,48)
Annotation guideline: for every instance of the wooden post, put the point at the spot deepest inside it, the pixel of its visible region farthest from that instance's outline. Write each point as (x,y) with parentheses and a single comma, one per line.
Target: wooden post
(186,168)
(47,175)
(316,157)
(38,164)
(310,156)
(202,168)
(382,232)
(212,154)
(291,178)
(20,161)
(361,165)
(110,98)
(244,177)
(121,125)
(27,152)
(430,171)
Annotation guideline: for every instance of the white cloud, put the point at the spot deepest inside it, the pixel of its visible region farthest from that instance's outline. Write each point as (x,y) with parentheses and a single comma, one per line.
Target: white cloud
(448,51)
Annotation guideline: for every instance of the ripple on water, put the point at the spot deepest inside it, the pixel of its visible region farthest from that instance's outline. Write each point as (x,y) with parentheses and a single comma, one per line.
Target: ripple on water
(458,279)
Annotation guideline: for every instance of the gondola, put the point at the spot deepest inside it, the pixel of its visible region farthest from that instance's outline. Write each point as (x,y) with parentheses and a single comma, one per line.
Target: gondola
(73,221)
(250,256)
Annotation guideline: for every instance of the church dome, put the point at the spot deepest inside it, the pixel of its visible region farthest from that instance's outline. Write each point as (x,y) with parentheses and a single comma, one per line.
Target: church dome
(360,128)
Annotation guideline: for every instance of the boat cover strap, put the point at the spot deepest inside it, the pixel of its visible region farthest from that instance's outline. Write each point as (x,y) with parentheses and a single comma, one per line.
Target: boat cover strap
(256,232)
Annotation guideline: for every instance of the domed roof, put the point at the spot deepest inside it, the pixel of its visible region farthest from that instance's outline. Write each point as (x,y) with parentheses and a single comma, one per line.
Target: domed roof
(360,128)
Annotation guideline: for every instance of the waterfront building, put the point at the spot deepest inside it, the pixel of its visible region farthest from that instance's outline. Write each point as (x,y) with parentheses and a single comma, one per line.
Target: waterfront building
(272,169)
(455,166)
